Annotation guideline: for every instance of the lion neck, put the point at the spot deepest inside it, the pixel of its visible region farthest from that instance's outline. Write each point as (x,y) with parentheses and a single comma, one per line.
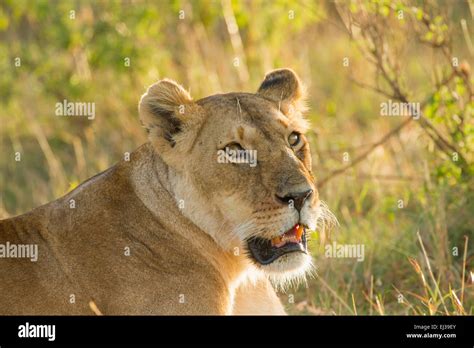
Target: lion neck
(173,200)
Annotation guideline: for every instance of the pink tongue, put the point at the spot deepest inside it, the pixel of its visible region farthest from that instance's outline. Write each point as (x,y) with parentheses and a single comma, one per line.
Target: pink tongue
(289,236)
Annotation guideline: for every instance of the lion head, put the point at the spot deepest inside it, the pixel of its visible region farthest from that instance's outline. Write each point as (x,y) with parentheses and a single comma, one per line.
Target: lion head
(240,167)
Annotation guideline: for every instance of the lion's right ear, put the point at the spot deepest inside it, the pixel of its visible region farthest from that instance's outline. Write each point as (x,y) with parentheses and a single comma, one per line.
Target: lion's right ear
(162,109)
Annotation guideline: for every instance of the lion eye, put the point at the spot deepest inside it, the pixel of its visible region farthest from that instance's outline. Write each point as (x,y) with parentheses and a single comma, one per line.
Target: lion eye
(294,139)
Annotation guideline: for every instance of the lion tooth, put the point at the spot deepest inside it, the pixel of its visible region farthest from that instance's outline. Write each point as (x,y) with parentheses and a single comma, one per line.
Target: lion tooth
(299,232)
(276,240)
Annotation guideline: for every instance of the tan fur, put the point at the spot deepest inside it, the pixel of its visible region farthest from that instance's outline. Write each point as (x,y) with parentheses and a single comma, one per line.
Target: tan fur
(183,216)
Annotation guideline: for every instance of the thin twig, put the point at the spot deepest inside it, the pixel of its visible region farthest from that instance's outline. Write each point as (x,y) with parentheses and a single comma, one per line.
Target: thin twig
(373,88)
(377,52)
(364,155)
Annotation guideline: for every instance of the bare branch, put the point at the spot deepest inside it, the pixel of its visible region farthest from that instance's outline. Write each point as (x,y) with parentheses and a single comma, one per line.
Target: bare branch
(366,153)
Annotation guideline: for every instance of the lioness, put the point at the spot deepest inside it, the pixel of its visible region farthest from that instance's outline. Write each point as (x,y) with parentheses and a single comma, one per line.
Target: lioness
(205,218)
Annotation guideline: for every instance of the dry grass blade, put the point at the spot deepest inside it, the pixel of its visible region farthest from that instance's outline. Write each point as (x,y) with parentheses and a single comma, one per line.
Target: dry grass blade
(353,304)
(457,303)
(94,308)
(466,238)
(380,307)
(371,291)
(428,264)
(335,294)
(405,300)
(419,271)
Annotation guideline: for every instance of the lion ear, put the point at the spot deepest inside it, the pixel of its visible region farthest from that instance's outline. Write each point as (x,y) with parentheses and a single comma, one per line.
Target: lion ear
(162,109)
(284,88)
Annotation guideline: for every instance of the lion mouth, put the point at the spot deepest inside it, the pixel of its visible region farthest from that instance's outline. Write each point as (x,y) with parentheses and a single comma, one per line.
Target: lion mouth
(265,251)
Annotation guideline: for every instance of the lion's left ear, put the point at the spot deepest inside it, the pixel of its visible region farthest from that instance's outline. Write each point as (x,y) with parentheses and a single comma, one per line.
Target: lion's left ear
(284,88)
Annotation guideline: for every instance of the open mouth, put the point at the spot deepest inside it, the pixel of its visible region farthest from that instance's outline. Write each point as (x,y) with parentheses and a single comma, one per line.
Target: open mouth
(265,251)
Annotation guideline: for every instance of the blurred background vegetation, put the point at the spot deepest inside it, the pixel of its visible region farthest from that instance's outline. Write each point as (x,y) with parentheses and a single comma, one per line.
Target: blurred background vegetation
(402,187)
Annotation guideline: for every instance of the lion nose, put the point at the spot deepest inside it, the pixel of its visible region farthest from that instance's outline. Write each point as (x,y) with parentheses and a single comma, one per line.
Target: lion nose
(295,198)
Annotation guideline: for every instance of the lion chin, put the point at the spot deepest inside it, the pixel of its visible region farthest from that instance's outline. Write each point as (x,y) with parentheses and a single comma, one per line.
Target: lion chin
(289,270)
(284,259)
